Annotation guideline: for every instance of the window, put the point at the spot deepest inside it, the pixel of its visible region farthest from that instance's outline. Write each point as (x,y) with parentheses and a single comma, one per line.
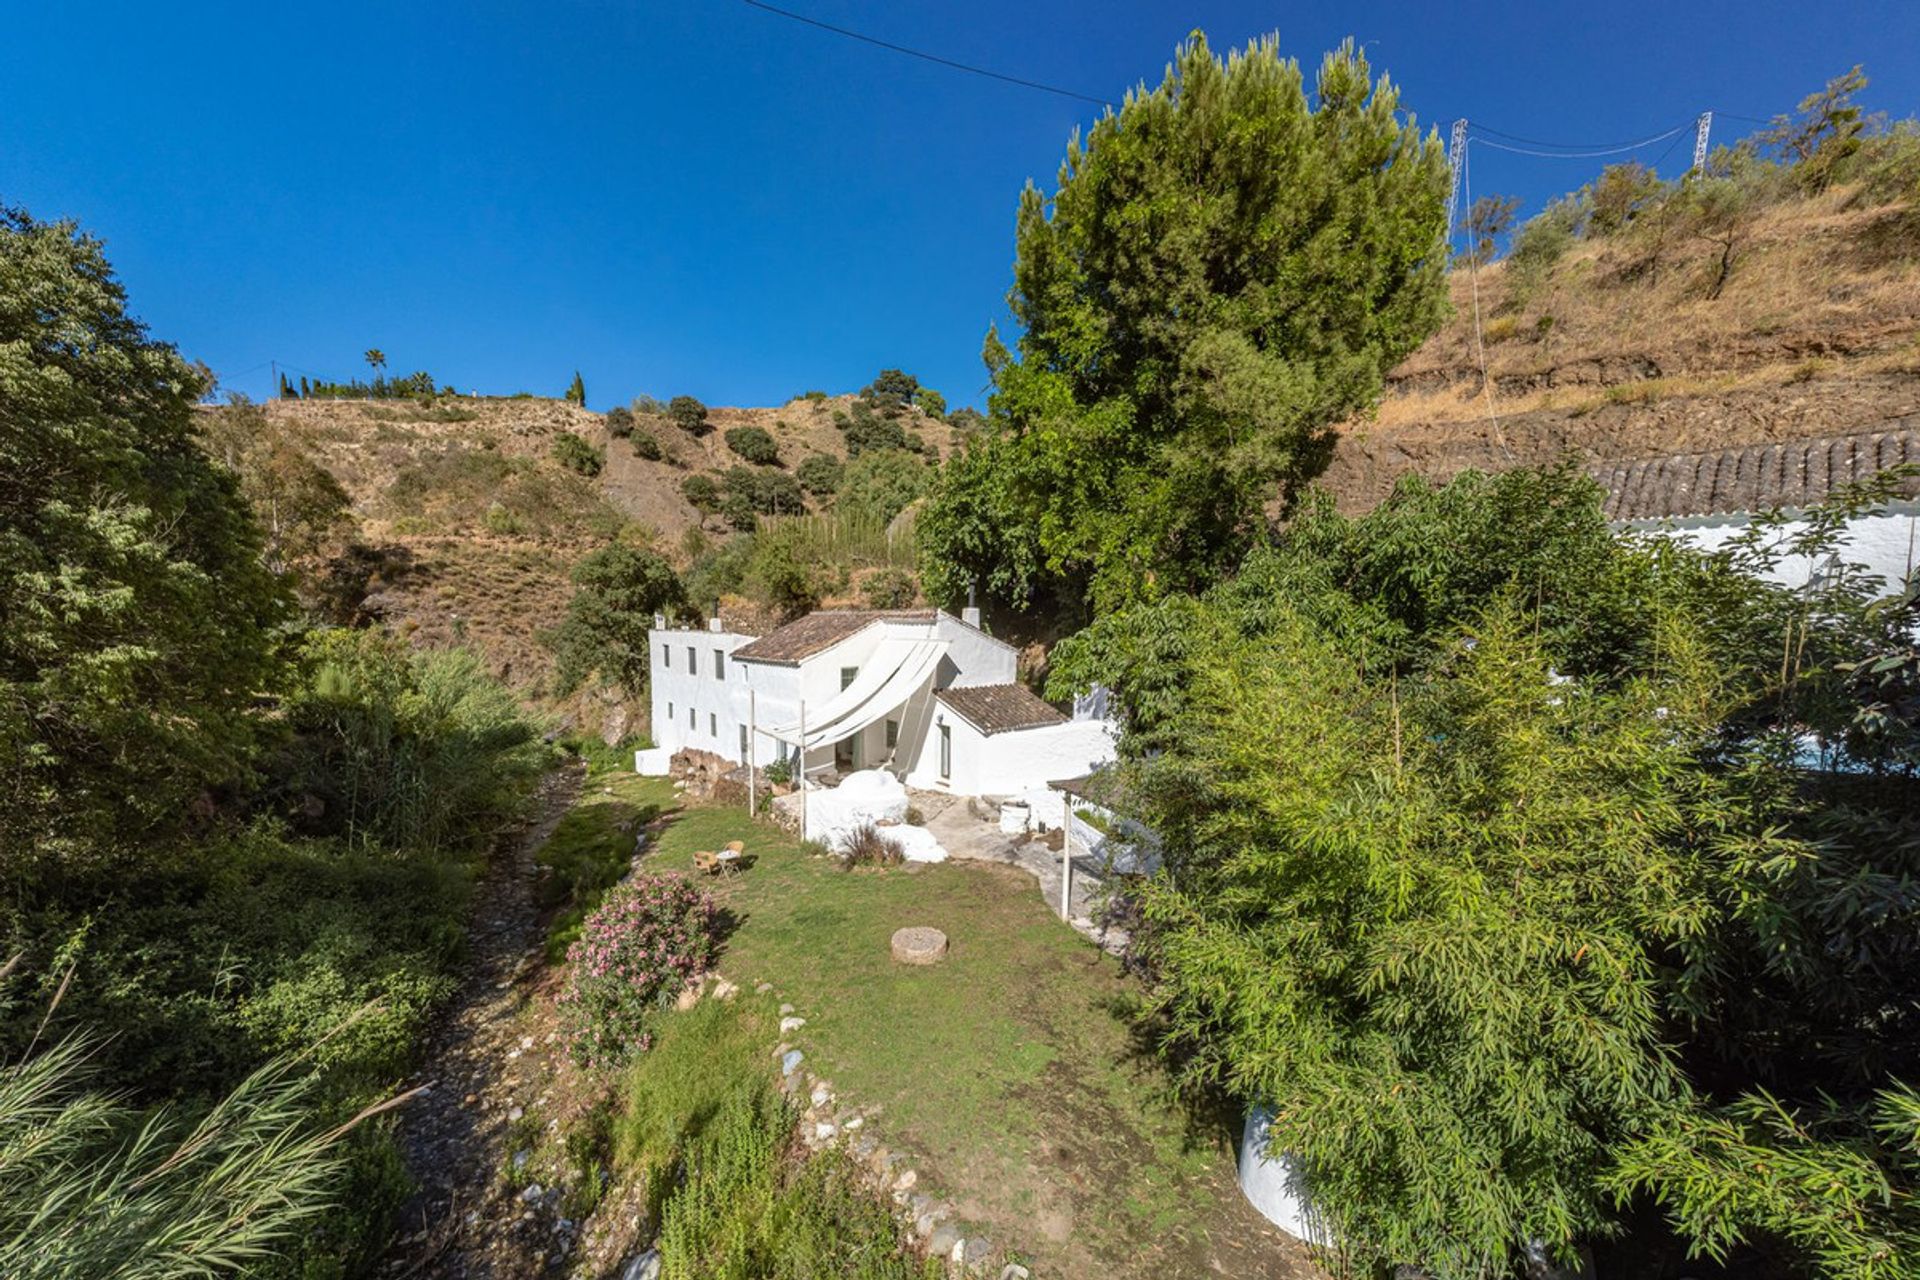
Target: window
(743,742)
(847,674)
(713,725)
(693,661)
(946,751)
(893,734)
(669,711)
(666,656)
(719,664)
(691,723)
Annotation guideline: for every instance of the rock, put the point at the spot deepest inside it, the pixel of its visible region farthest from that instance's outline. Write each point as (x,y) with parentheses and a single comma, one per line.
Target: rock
(531,1194)
(785,1009)
(854,1122)
(724,990)
(919,945)
(470,1099)
(790,1062)
(821,1095)
(824,1131)
(644,1267)
(515,1114)
(906,1181)
(687,999)
(973,1253)
(943,1241)
(520,1159)
(763,988)
(923,1225)
(791,1024)
(1014,1271)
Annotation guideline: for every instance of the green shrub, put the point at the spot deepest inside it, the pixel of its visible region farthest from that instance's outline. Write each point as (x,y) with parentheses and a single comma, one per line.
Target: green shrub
(814,396)
(645,446)
(502,521)
(617,591)
(879,485)
(702,492)
(647,940)
(819,474)
(866,430)
(575,454)
(890,589)
(931,402)
(1540,243)
(754,445)
(619,422)
(688,414)
(765,491)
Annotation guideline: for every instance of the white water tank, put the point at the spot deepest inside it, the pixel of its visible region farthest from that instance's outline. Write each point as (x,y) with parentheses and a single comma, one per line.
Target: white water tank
(1274,1184)
(1014,816)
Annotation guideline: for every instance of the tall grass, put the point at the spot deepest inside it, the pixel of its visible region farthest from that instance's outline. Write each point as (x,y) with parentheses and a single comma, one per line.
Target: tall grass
(91,1187)
(860,541)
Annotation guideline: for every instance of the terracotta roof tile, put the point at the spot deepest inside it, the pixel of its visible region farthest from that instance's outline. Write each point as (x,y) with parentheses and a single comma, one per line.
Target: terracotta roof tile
(1752,478)
(819,631)
(997,708)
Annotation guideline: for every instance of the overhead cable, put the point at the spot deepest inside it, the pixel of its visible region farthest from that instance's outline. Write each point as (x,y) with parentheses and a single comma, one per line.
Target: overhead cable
(969,68)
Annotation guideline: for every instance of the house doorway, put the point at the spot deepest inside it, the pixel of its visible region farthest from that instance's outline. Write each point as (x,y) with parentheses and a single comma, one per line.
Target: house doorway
(846,754)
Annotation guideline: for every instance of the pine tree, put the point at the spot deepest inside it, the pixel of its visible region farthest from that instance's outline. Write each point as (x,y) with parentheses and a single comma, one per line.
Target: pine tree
(577,393)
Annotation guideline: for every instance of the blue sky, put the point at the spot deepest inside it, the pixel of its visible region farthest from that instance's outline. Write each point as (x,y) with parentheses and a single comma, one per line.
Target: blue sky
(701,197)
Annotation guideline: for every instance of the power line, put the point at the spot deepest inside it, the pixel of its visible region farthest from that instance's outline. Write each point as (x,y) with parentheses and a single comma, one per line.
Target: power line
(1564,146)
(935,58)
(1584,155)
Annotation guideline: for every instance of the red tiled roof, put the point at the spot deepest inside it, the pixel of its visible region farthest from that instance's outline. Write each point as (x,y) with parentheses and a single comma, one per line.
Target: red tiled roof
(997,708)
(819,631)
(1791,473)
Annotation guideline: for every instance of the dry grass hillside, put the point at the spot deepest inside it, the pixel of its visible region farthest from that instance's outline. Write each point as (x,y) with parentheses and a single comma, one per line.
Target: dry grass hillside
(468,525)
(1815,332)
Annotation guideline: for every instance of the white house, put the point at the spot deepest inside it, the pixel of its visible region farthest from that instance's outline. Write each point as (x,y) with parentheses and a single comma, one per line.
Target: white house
(929,697)
(1709,499)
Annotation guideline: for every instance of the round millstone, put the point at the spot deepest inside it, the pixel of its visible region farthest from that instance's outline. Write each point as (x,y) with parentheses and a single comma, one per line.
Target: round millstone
(919,945)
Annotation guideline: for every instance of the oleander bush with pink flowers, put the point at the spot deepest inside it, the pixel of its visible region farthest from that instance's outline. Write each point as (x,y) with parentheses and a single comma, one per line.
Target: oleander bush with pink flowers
(650,938)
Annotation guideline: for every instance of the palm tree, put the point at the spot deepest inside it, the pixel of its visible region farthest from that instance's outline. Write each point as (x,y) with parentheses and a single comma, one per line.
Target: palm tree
(376,360)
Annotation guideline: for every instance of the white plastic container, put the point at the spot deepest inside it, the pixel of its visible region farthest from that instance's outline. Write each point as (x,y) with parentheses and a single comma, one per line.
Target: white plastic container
(1014,817)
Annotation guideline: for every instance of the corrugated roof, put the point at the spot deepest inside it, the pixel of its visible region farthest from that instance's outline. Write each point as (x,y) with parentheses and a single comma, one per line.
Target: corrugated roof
(997,708)
(1790,473)
(819,631)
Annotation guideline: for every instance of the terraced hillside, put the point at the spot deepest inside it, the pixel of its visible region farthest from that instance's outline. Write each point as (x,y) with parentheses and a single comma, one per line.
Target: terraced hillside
(1623,351)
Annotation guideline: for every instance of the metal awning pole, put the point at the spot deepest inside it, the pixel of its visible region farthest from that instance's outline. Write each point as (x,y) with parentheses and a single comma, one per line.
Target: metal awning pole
(803,766)
(751,810)
(1066,857)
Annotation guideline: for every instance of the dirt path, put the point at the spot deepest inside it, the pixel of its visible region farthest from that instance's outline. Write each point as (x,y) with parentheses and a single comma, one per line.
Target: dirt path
(464,1220)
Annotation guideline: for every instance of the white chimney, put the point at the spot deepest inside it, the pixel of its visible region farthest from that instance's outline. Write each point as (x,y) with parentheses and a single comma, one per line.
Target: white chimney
(713,623)
(971,614)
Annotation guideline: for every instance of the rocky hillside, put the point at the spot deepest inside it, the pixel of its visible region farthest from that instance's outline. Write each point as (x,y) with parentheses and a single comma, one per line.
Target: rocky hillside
(467,524)
(1623,353)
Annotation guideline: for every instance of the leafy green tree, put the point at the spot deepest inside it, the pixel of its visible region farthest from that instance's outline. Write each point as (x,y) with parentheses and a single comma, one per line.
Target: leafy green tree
(880,485)
(577,390)
(967,418)
(646,446)
(575,454)
(767,492)
(866,430)
(754,445)
(688,414)
(1488,218)
(892,389)
(819,474)
(1226,269)
(781,577)
(376,361)
(931,402)
(1824,131)
(137,617)
(619,422)
(1619,195)
(890,589)
(617,591)
(702,492)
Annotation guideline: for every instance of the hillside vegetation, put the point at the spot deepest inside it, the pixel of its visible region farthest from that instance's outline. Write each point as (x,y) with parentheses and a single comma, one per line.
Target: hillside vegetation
(462,517)
(1630,342)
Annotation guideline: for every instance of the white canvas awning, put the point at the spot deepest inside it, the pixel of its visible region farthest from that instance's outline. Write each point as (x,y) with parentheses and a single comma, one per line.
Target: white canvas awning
(895,671)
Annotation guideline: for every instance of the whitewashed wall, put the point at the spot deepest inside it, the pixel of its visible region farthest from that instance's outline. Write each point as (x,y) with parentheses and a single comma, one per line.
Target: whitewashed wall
(1887,544)
(1004,764)
(695,708)
(973,656)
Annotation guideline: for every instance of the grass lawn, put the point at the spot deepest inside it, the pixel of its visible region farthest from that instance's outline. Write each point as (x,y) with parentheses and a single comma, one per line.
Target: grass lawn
(1010,1074)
